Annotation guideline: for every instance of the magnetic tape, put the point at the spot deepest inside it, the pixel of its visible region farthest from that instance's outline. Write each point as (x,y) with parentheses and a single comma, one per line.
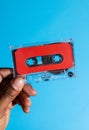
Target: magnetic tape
(44,62)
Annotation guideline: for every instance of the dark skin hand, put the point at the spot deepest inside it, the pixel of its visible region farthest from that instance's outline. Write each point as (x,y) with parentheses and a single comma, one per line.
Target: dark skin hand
(13,91)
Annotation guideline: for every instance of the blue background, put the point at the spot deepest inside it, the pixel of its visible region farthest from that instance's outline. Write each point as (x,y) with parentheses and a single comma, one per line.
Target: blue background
(59,105)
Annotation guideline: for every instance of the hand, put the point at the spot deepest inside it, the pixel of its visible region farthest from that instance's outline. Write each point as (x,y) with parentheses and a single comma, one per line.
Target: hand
(13,91)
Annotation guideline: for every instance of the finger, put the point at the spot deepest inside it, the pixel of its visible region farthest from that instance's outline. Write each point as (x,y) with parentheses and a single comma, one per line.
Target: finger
(25,104)
(17,101)
(4,73)
(23,101)
(11,93)
(23,98)
(29,90)
(26,109)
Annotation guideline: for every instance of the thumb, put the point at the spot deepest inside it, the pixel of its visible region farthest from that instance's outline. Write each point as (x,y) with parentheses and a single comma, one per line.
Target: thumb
(13,89)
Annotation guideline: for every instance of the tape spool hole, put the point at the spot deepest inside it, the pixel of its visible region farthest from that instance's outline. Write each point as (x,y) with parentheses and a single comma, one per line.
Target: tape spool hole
(57,58)
(31,61)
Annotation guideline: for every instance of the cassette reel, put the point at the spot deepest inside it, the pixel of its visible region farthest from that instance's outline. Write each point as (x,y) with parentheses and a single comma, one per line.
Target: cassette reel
(44,62)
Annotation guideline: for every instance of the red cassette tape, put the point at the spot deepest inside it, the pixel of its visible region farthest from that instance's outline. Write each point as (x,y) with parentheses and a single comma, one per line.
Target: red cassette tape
(49,57)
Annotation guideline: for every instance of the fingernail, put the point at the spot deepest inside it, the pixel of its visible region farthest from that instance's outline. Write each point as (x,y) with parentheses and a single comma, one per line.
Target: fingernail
(27,109)
(34,92)
(28,102)
(18,83)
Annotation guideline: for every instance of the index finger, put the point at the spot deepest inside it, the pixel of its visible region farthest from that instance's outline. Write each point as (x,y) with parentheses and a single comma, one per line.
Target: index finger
(4,72)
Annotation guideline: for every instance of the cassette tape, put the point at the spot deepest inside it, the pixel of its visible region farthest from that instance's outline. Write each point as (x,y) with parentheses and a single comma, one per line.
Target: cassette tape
(44,62)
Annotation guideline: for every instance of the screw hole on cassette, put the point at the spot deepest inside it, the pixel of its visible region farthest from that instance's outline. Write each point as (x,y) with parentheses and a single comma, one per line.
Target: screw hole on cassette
(70,74)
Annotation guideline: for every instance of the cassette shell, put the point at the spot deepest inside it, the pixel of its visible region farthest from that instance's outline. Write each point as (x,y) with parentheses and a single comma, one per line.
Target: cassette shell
(54,59)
